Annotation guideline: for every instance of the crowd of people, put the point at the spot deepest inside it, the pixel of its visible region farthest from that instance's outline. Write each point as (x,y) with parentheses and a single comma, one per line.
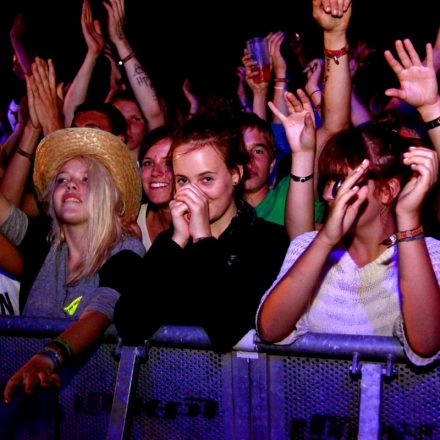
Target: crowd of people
(294,207)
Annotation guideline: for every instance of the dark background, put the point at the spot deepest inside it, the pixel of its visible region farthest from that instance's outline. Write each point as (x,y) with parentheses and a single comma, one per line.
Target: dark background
(200,40)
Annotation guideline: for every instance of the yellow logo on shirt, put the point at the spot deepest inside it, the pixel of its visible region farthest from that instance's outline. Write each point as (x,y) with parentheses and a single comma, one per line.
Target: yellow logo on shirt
(71,308)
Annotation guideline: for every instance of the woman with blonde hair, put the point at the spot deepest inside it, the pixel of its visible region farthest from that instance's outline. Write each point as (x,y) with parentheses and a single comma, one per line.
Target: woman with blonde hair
(89,184)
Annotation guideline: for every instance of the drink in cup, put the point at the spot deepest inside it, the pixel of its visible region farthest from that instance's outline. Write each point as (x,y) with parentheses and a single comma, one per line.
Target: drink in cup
(259,51)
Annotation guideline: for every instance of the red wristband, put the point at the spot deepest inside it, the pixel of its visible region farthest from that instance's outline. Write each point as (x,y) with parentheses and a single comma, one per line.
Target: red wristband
(336,54)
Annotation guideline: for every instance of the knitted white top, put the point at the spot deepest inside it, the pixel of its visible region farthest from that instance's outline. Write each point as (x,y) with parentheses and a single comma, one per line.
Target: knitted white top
(355,300)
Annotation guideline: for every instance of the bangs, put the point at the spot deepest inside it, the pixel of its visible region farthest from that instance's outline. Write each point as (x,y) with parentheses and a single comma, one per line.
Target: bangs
(342,153)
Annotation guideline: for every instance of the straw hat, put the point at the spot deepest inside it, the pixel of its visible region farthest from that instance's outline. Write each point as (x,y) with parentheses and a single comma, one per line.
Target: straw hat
(109,150)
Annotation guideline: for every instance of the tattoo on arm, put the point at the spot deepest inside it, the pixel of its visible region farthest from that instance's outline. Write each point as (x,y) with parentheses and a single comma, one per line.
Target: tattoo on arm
(326,72)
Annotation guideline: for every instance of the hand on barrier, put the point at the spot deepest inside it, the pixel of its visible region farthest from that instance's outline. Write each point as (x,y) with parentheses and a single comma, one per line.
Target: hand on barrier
(38,371)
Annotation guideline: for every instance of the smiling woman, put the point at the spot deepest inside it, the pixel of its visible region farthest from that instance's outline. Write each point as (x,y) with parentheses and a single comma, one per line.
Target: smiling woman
(90,186)
(211,267)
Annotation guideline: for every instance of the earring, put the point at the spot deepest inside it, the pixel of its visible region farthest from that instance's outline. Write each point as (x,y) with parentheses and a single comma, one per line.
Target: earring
(235,183)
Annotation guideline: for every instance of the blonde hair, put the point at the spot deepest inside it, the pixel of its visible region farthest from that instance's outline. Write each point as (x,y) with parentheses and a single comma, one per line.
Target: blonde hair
(104,229)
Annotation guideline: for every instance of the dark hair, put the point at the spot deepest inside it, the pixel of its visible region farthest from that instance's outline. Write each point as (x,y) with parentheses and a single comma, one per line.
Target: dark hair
(154,136)
(116,119)
(246,120)
(379,142)
(221,133)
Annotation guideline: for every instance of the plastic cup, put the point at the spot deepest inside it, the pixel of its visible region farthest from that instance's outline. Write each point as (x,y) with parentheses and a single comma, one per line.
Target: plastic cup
(259,51)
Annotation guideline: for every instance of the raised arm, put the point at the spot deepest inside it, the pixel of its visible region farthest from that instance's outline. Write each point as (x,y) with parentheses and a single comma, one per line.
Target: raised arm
(77,92)
(279,69)
(16,174)
(139,80)
(314,82)
(418,284)
(418,85)
(334,17)
(301,134)
(259,90)
(24,58)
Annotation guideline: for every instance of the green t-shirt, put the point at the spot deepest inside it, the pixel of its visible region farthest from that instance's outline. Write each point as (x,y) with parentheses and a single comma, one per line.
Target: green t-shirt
(273,207)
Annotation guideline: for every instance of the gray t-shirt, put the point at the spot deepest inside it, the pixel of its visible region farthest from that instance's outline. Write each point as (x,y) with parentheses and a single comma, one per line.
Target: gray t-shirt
(50,297)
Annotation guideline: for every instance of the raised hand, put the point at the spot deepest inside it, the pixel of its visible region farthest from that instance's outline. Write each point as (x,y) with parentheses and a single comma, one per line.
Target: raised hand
(300,123)
(46,95)
(38,371)
(251,73)
(418,82)
(424,163)
(345,206)
(91,30)
(336,8)
(332,15)
(274,41)
(116,20)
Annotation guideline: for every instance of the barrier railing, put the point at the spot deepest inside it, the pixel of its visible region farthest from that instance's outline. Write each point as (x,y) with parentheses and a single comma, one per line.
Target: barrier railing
(321,387)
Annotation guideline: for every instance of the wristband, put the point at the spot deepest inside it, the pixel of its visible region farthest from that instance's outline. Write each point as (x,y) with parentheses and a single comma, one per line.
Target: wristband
(127,58)
(336,54)
(25,154)
(432,124)
(315,91)
(410,234)
(280,88)
(300,179)
(51,355)
(281,80)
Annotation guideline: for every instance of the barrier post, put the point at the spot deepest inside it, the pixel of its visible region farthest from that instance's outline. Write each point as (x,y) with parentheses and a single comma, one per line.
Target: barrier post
(369,411)
(125,387)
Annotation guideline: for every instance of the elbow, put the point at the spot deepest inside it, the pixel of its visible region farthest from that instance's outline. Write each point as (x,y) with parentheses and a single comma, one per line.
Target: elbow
(270,332)
(425,347)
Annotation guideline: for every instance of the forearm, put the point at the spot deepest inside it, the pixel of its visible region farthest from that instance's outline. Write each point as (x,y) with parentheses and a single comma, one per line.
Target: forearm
(289,299)
(141,86)
(11,142)
(14,180)
(336,96)
(429,113)
(280,81)
(420,297)
(85,332)
(77,92)
(259,104)
(299,215)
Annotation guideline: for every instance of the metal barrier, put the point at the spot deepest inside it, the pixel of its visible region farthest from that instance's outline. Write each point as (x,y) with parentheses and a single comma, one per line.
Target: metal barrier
(322,387)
